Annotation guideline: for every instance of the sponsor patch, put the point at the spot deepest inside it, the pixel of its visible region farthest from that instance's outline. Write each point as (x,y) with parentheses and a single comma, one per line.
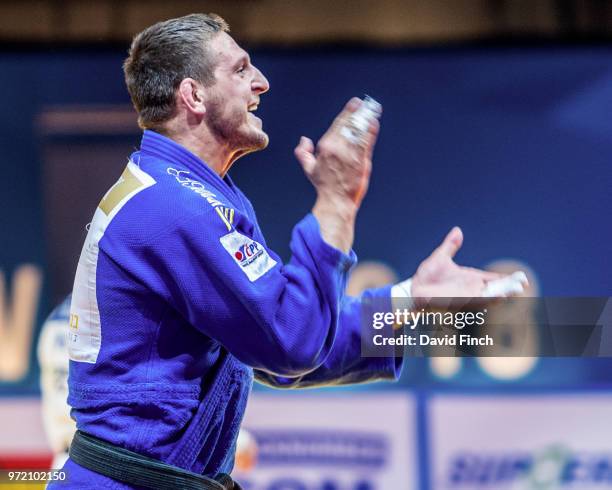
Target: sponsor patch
(249,254)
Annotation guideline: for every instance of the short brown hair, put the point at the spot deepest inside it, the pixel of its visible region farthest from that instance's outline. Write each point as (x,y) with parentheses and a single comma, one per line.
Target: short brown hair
(164,54)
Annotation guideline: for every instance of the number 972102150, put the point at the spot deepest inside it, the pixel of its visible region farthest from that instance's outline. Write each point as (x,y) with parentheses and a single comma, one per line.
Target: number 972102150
(31,476)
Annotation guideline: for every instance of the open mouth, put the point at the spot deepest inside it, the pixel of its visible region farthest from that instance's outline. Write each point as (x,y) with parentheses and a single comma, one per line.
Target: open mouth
(251,109)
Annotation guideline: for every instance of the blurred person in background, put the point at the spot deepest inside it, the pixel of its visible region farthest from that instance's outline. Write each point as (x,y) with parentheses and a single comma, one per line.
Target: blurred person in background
(178,301)
(53,360)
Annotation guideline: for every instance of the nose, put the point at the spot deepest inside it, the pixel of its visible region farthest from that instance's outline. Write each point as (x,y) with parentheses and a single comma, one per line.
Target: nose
(260,83)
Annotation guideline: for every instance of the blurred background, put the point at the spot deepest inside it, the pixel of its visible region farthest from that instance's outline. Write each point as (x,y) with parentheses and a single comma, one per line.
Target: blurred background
(496,118)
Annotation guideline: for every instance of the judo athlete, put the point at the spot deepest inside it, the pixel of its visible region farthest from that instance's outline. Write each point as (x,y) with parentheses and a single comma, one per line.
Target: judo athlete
(178,301)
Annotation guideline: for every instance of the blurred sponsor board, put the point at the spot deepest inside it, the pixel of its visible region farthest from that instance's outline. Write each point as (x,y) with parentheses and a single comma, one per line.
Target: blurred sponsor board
(352,441)
(522,442)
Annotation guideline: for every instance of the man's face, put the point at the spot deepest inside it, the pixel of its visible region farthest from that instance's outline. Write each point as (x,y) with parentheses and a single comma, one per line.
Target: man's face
(234,95)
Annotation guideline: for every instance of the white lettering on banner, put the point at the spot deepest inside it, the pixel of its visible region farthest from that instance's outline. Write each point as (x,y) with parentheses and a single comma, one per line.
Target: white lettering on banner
(250,255)
(17,321)
(563,442)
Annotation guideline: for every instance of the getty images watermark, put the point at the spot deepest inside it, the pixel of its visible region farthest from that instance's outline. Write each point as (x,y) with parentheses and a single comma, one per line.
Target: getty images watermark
(512,327)
(409,320)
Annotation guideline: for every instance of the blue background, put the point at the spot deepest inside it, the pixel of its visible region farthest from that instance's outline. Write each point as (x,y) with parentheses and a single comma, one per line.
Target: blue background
(512,144)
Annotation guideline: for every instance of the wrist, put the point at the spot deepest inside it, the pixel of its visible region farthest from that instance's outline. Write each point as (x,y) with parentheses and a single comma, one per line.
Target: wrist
(336,222)
(401,295)
(418,294)
(335,206)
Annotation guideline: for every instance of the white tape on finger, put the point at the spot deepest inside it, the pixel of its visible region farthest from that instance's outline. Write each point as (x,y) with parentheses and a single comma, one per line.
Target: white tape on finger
(359,122)
(511,285)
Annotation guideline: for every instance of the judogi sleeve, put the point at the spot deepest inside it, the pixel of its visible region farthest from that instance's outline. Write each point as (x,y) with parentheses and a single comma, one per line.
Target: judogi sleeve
(345,363)
(279,319)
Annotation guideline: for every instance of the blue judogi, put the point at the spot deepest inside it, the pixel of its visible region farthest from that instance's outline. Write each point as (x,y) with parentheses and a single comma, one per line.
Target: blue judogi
(178,303)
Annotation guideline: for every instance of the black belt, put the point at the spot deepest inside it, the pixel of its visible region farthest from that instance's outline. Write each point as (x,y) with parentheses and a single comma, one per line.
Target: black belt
(135,469)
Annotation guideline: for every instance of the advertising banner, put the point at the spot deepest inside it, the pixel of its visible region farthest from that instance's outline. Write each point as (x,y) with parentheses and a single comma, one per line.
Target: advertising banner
(349,441)
(521,442)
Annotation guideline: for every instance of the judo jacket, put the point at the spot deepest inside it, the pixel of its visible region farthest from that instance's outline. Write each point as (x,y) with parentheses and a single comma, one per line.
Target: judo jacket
(178,303)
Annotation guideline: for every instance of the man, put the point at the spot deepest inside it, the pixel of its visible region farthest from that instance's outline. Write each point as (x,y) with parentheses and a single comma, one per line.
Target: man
(178,301)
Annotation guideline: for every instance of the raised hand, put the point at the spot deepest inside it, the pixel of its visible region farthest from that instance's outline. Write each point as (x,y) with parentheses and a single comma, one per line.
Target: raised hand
(340,171)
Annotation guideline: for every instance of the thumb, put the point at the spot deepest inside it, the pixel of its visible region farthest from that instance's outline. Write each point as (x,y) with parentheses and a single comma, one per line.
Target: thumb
(304,152)
(451,243)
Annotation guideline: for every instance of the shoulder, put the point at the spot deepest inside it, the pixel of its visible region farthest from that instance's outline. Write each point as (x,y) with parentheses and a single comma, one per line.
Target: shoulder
(160,199)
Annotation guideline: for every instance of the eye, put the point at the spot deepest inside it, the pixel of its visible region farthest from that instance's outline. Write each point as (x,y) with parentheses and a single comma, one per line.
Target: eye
(241,69)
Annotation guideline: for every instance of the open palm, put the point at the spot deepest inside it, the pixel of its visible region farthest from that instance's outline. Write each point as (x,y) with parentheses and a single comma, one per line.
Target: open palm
(439,276)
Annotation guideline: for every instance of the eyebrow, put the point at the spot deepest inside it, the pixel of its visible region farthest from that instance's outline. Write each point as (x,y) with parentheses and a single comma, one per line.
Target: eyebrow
(245,58)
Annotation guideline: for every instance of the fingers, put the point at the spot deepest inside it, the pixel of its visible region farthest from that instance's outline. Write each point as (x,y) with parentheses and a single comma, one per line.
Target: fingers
(304,152)
(371,137)
(487,275)
(341,119)
(333,136)
(305,145)
(365,146)
(511,285)
(334,133)
(452,243)
(480,277)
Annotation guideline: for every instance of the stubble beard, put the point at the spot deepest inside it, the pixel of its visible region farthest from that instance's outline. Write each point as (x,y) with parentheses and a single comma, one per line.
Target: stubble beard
(233,129)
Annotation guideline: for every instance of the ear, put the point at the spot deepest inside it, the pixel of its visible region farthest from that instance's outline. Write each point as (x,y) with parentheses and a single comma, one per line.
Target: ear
(191,94)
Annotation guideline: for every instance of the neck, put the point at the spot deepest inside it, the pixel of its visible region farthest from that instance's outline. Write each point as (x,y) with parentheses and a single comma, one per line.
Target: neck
(198,139)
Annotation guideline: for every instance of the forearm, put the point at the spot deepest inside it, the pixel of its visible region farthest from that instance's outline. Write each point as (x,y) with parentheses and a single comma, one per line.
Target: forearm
(336,217)
(346,364)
